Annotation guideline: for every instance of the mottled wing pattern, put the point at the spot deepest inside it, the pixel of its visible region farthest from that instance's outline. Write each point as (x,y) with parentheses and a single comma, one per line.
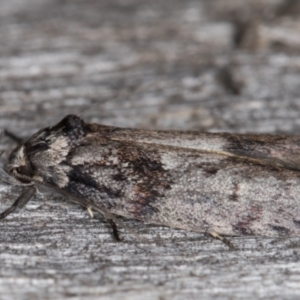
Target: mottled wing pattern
(233,185)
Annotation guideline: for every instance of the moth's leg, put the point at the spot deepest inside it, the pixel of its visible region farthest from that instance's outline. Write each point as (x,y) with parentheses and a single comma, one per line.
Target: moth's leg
(20,202)
(222,239)
(115,229)
(111,223)
(13,136)
(109,218)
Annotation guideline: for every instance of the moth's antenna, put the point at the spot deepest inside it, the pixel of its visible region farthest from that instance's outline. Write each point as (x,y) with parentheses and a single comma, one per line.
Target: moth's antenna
(12,136)
(20,202)
(1,133)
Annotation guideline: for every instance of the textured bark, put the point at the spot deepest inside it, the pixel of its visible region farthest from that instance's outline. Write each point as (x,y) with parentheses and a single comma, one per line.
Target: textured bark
(202,65)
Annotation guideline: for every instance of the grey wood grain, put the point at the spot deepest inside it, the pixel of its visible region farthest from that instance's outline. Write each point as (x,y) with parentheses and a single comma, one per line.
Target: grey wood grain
(201,65)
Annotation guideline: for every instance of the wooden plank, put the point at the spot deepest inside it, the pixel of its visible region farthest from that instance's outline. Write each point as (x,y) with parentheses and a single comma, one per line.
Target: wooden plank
(144,64)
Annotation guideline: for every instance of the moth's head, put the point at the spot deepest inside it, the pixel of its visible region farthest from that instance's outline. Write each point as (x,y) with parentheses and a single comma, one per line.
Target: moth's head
(45,149)
(19,165)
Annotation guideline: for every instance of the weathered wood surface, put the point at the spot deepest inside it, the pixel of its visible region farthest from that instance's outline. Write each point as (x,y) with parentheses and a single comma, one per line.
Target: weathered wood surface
(204,65)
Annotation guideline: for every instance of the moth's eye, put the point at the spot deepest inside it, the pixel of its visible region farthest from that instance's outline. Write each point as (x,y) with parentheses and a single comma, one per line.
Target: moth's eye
(23,171)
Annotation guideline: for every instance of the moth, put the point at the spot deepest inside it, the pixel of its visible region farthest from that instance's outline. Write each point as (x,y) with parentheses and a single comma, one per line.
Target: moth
(218,183)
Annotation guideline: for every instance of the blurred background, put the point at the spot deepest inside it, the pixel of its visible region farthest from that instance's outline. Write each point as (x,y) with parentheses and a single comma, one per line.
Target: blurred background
(209,65)
(221,65)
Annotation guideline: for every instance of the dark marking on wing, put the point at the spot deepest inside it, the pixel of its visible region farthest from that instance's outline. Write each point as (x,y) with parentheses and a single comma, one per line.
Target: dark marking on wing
(243,228)
(119,177)
(280,230)
(272,150)
(234,197)
(35,148)
(150,179)
(297,223)
(77,175)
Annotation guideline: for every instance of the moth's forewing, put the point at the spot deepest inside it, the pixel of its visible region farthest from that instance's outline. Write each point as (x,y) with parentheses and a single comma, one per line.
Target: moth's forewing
(230,184)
